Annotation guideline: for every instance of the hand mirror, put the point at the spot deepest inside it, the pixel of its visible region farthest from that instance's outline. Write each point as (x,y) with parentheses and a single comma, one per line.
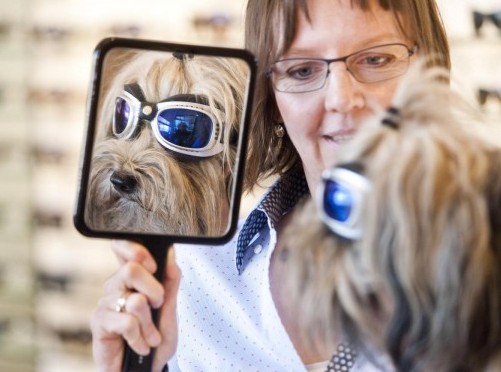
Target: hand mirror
(165,141)
(165,144)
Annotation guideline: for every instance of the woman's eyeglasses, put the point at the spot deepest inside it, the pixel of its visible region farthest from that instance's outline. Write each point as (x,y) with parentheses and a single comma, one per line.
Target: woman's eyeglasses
(370,65)
(340,198)
(183,123)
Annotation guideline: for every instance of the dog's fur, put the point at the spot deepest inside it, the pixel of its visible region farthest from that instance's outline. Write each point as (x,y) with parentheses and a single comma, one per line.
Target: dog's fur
(173,194)
(423,284)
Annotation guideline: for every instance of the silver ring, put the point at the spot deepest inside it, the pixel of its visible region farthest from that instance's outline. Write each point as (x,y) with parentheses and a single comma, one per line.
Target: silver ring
(120,304)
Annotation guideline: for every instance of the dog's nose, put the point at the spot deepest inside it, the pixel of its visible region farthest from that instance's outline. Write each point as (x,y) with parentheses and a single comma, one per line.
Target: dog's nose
(123,182)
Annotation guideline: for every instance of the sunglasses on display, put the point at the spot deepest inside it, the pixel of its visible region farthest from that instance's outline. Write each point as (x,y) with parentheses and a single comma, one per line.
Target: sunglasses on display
(54,282)
(125,30)
(50,33)
(484,95)
(183,123)
(341,196)
(479,18)
(58,96)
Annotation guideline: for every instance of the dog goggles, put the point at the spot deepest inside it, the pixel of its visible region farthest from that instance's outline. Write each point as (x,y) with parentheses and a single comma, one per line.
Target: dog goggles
(340,199)
(182,123)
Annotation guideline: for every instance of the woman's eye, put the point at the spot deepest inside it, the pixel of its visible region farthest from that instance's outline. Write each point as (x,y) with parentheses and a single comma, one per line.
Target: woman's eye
(306,70)
(300,72)
(376,60)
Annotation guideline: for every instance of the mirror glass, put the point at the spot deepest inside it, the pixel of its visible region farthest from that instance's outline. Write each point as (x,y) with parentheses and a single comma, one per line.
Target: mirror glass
(164,149)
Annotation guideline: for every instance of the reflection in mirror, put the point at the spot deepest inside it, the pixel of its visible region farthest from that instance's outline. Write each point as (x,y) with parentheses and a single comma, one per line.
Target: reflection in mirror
(165,145)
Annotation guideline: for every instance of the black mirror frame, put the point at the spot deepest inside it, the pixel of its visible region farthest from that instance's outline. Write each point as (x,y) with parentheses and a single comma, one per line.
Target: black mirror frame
(100,52)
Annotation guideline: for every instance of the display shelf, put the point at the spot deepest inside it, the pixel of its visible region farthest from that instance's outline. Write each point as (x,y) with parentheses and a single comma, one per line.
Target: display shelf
(17,300)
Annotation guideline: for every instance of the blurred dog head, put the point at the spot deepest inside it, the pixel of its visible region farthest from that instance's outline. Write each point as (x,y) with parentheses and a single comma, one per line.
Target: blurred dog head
(144,178)
(402,247)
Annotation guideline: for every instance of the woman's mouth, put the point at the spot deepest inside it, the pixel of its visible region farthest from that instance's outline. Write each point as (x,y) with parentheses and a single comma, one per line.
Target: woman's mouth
(339,137)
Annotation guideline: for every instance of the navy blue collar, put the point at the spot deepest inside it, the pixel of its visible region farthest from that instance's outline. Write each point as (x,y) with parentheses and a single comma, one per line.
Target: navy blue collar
(279,200)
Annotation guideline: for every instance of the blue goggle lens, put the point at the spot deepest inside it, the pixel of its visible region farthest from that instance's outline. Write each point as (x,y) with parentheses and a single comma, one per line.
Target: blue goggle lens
(338,201)
(122,113)
(185,128)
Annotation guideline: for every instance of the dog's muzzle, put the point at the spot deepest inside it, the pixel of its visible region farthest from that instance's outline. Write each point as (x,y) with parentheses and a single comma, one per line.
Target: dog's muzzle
(123,182)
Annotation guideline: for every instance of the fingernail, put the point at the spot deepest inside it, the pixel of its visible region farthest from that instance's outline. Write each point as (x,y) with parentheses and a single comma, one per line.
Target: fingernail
(171,256)
(172,253)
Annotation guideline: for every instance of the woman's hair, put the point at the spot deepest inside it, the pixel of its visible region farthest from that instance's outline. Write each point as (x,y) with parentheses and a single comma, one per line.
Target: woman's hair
(270,28)
(423,283)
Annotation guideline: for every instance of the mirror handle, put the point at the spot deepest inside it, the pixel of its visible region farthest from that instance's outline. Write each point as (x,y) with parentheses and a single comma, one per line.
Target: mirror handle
(133,362)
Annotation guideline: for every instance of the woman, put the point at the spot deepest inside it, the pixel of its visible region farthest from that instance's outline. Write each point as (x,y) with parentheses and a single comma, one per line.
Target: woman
(230,312)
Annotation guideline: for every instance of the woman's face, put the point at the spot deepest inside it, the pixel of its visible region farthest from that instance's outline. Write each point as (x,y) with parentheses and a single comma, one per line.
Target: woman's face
(319,122)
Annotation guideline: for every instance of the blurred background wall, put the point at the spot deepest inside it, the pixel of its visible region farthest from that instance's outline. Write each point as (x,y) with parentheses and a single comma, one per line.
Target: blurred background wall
(50,276)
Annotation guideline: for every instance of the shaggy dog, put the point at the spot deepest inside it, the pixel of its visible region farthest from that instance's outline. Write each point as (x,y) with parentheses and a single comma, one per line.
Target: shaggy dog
(140,182)
(410,267)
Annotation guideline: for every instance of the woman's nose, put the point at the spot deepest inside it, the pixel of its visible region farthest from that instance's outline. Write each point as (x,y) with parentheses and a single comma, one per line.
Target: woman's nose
(342,93)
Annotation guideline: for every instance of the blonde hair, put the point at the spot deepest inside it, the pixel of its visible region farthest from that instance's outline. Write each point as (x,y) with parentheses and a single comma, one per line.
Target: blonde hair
(424,281)
(270,28)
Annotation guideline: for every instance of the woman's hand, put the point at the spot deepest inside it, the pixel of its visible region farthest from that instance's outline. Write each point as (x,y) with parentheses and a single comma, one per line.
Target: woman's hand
(135,281)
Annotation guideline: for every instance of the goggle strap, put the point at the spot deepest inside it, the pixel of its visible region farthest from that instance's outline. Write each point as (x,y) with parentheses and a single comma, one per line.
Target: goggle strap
(192,98)
(136,91)
(147,111)
(353,166)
